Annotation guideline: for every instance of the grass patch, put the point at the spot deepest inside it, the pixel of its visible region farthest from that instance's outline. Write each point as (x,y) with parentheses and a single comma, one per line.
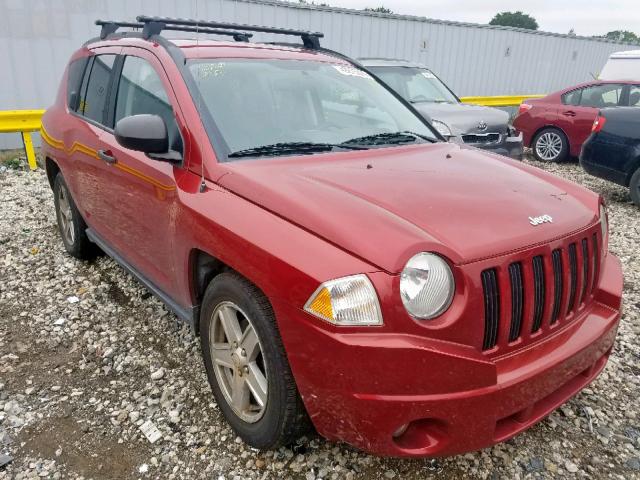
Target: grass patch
(17,159)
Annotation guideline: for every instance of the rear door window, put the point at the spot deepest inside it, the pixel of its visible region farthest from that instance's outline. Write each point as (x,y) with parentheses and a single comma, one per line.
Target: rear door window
(95,95)
(601,96)
(140,91)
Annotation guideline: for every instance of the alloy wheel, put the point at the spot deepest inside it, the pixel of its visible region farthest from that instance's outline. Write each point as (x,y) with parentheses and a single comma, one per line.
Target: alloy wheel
(66,216)
(549,146)
(238,362)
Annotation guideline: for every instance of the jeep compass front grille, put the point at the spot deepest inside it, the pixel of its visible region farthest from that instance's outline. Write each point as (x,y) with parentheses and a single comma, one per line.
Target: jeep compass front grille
(527,297)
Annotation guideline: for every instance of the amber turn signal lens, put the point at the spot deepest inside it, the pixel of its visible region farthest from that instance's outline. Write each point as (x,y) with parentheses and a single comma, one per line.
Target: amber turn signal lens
(321,305)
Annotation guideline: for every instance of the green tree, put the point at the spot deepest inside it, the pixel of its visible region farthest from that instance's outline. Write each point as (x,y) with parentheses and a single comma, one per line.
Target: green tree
(623,36)
(515,19)
(378,10)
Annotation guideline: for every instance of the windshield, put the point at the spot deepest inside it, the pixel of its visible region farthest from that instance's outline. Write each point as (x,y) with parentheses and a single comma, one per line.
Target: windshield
(415,84)
(300,107)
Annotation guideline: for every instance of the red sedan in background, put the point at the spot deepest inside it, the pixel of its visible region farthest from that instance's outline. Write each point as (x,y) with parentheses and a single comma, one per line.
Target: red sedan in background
(557,125)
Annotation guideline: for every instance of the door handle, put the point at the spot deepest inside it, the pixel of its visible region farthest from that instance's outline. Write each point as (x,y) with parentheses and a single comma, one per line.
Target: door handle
(569,113)
(106,156)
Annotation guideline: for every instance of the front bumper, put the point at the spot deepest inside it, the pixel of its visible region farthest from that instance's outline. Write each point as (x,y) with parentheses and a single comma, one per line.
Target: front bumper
(362,388)
(509,146)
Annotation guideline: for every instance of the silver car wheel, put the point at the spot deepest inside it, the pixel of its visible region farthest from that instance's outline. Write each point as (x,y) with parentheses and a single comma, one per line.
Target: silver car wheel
(238,362)
(549,146)
(65,216)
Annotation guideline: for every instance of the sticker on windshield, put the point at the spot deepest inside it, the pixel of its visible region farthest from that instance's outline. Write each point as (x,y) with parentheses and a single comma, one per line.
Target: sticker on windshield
(352,71)
(207,70)
(428,74)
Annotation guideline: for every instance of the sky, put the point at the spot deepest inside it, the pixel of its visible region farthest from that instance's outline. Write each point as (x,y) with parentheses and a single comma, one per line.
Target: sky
(586,17)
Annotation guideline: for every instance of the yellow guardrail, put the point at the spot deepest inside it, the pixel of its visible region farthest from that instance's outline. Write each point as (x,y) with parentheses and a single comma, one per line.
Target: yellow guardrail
(24,122)
(499,101)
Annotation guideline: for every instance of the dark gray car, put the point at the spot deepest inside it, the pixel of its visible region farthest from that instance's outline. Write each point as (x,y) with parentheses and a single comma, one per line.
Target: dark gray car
(475,125)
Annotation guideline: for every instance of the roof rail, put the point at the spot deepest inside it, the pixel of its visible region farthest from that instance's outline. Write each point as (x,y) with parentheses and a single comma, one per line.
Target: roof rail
(155,25)
(109,27)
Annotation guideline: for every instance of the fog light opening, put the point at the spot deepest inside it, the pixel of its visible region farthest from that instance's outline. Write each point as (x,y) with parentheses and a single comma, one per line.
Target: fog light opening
(425,435)
(400,431)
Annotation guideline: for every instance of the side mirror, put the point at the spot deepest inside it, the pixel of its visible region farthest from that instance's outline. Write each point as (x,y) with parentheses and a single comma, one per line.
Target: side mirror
(144,133)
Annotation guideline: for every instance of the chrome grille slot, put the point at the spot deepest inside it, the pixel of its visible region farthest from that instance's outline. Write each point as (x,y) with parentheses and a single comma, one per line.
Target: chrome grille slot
(585,269)
(573,276)
(491,308)
(558,284)
(596,262)
(517,299)
(539,293)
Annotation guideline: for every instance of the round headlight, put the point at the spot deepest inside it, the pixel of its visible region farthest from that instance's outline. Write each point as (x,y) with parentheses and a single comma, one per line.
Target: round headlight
(426,286)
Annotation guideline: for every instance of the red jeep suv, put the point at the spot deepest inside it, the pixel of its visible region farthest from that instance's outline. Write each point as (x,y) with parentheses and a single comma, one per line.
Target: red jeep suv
(345,267)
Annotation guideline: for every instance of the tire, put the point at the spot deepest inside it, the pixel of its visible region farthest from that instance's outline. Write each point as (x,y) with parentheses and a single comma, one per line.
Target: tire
(634,187)
(281,419)
(550,145)
(70,223)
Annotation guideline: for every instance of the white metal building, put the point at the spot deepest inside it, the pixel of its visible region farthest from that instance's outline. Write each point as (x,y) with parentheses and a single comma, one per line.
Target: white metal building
(38,36)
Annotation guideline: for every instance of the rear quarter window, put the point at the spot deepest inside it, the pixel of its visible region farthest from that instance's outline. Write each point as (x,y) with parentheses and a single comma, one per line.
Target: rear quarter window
(74,81)
(572,97)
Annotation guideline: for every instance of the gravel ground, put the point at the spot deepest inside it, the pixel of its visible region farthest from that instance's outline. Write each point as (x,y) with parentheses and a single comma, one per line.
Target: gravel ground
(87,356)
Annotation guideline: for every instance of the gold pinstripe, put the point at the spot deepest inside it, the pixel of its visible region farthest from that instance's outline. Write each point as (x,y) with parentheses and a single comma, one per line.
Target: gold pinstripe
(80,147)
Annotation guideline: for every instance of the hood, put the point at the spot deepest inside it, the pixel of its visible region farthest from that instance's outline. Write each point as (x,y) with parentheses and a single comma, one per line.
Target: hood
(387,204)
(463,118)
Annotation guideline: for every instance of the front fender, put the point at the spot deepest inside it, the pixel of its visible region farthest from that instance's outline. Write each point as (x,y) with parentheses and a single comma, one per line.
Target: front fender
(282,259)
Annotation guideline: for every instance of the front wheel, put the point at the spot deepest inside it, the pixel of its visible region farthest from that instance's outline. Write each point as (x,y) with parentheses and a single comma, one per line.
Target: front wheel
(247,365)
(550,145)
(634,187)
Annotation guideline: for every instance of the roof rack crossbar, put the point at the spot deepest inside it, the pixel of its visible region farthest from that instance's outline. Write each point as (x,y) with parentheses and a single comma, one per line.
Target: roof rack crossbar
(156,24)
(109,27)
(152,28)
(237,36)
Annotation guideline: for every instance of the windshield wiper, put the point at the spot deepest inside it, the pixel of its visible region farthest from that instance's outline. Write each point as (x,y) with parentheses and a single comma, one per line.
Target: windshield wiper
(395,138)
(291,148)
